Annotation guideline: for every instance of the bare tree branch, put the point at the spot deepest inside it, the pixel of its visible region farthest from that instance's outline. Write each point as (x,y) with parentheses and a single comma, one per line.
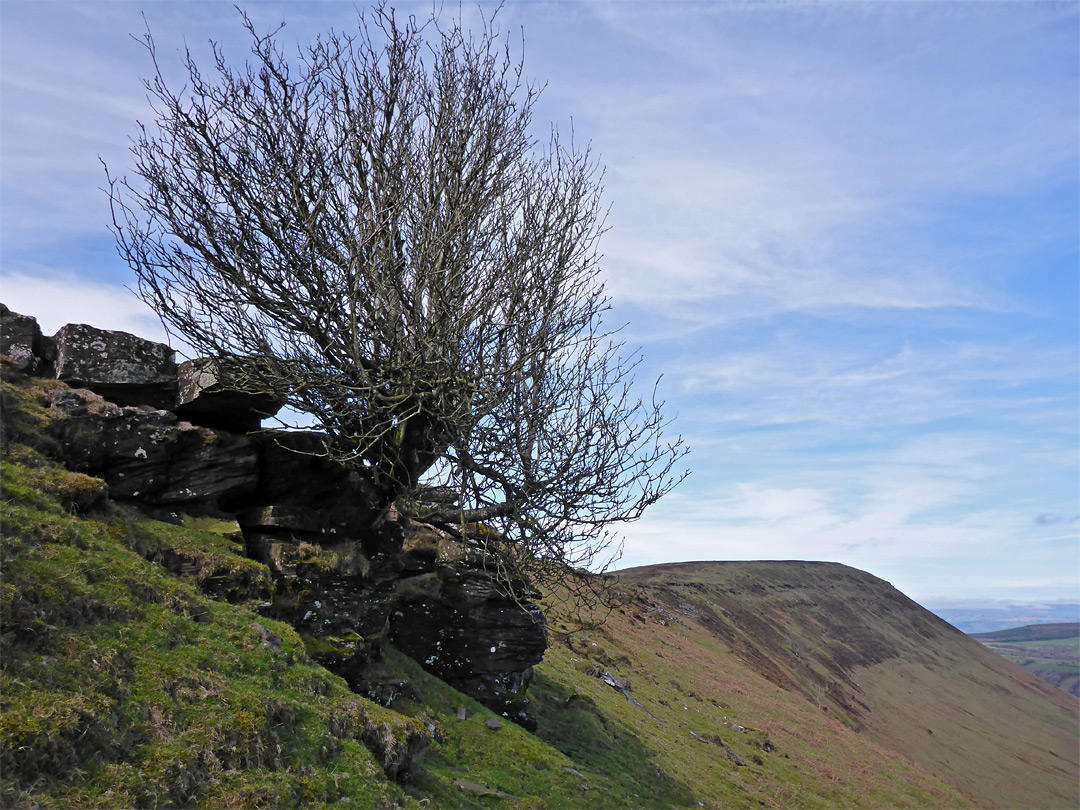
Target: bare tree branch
(414,271)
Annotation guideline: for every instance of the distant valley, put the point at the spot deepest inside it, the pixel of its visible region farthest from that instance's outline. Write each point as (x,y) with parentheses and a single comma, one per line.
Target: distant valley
(1051,651)
(988,618)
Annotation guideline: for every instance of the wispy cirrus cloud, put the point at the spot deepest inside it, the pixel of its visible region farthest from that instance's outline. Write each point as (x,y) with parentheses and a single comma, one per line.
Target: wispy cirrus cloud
(792,379)
(757,170)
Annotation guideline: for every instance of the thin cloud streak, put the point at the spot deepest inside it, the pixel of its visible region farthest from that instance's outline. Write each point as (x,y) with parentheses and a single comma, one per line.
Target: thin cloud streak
(801,178)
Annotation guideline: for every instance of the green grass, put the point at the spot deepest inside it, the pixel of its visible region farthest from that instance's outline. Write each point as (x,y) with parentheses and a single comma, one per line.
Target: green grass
(133,674)
(124,684)
(127,681)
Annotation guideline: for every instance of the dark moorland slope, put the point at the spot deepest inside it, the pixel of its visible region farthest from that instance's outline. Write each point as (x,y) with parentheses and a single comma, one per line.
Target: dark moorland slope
(888,668)
(1033,632)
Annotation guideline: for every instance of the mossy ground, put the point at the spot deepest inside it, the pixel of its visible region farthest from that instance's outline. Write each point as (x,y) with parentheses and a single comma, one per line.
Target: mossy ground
(134,673)
(124,684)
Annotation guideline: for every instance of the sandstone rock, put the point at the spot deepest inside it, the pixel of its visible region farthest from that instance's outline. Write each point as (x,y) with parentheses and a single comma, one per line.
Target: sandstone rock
(476,789)
(291,557)
(22,342)
(322,530)
(294,471)
(123,368)
(208,395)
(493,724)
(344,576)
(480,636)
(150,455)
(270,638)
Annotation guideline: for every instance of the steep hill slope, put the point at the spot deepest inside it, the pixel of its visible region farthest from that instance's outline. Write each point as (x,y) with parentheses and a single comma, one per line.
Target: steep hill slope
(885,667)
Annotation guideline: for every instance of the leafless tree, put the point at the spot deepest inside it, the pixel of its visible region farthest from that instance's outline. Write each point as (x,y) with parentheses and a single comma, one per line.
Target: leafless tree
(414,271)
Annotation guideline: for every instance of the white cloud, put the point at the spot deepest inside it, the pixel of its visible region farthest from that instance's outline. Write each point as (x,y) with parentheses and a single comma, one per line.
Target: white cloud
(757,170)
(796,378)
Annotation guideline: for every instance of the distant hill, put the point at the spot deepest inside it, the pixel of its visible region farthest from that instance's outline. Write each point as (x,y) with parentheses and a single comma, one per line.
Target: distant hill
(888,669)
(1033,632)
(1051,651)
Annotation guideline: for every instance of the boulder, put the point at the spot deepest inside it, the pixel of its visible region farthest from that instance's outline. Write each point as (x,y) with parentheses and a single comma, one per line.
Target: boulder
(332,590)
(22,342)
(210,393)
(150,455)
(295,471)
(480,634)
(123,368)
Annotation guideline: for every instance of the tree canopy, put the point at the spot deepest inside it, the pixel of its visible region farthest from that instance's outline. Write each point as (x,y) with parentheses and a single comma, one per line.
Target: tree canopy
(372,221)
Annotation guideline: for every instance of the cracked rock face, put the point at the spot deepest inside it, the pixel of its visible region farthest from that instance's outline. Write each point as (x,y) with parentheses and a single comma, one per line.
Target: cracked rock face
(123,368)
(150,455)
(333,584)
(479,635)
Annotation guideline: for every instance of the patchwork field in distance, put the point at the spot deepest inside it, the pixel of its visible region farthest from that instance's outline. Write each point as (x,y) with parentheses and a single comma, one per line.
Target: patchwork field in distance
(1051,651)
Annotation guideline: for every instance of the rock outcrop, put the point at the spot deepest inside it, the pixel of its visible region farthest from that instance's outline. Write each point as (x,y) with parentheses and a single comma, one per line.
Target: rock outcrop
(207,395)
(177,440)
(479,632)
(150,456)
(23,344)
(123,368)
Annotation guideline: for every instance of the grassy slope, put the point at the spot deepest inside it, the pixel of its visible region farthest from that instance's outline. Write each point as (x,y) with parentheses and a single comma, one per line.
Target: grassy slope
(885,666)
(699,701)
(123,684)
(134,672)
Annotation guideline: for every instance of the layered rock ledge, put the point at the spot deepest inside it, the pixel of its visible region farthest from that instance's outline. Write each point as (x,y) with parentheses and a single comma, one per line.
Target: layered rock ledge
(175,440)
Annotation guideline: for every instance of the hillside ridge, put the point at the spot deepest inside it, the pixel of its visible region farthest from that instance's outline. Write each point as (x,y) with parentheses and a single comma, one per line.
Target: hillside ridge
(1032,632)
(853,644)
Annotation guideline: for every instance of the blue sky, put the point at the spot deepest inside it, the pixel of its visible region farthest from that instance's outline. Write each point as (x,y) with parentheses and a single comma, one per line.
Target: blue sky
(845,233)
